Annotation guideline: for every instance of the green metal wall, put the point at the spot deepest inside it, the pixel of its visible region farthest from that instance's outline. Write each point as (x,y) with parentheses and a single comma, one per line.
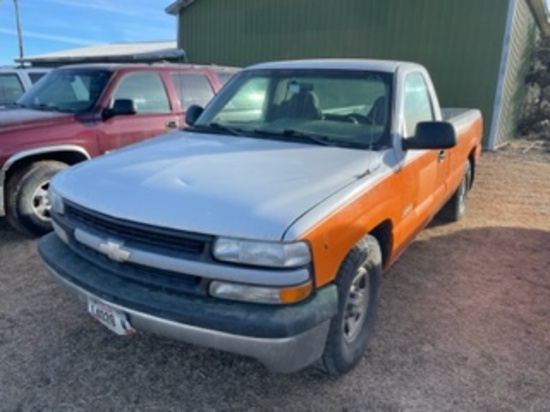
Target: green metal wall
(459,41)
(518,58)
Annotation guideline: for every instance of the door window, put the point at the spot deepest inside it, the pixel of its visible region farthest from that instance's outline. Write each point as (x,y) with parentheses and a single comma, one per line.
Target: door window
(417,106)
(146,90)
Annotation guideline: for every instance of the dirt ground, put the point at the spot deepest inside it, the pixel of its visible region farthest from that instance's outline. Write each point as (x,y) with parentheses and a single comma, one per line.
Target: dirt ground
(463,325)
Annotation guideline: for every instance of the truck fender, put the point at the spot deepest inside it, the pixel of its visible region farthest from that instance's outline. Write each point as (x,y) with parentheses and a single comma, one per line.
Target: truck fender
(24,154)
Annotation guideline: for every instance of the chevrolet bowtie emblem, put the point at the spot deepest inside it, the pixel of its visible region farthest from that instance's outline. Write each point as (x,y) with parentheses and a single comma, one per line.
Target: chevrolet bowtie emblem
(114,250)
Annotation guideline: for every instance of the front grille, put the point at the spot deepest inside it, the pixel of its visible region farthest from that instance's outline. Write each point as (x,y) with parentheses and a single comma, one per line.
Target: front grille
(153,278)
(188,243)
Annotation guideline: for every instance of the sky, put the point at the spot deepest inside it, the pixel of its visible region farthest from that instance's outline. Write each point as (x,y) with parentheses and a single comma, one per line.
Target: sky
(52,25)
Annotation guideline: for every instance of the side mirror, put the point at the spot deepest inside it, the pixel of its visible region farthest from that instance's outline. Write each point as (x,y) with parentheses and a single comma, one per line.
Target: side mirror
(431,135)
(121,107)
(192,114)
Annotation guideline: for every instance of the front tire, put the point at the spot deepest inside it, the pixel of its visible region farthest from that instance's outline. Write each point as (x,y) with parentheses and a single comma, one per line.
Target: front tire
(358,281)
(28,207)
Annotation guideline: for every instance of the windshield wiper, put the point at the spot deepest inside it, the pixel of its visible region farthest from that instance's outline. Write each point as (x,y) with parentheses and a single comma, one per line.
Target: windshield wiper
(217,128)
(43,106)
(10,105)
(232,130)
(320,140)
(20,105)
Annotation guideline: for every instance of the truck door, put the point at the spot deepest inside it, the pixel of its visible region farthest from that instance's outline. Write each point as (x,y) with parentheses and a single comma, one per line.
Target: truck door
(424,170)
(155,114)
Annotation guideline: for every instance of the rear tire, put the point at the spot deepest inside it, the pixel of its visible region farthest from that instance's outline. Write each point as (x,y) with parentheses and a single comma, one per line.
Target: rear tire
(455,207)
(358,281)
(27,206)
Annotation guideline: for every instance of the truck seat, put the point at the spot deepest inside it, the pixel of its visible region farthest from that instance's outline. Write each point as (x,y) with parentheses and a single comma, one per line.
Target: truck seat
(303,105)
(377,113)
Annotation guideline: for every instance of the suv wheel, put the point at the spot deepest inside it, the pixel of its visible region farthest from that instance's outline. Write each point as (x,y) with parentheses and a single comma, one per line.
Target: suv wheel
(27,206)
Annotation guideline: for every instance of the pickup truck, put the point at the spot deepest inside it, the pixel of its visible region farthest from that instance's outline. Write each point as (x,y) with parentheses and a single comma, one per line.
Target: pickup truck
(78,112)
(265,226)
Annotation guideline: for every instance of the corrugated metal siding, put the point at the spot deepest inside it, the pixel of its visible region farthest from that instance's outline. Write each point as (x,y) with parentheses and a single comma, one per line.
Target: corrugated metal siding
(522,41)
(459,41)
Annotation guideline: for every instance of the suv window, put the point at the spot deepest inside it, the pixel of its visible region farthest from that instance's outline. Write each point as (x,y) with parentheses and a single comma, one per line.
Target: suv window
(10,88)
(67,90)
(192,88)
(417,106)
(146,90)
(35,76)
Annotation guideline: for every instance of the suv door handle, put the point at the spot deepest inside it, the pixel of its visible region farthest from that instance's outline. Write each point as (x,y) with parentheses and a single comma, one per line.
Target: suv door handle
(171,124)
(441,156)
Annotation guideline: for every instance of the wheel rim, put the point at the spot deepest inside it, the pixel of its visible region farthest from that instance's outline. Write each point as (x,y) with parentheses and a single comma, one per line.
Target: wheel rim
(40,201)
(357,303)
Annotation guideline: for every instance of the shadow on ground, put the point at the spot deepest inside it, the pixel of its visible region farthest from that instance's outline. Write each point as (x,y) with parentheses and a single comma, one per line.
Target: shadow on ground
(463,325)
(10,235)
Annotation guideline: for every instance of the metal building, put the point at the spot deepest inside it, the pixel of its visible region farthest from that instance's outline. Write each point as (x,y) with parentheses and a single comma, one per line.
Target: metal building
(124,52)
(478,51)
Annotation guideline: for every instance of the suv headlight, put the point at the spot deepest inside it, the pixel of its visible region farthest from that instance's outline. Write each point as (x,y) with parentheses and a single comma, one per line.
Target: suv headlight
(258,253)
(56,202)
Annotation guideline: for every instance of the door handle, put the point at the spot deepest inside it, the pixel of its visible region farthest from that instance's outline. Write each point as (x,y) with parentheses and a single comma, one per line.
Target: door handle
(441,156)
(171,124)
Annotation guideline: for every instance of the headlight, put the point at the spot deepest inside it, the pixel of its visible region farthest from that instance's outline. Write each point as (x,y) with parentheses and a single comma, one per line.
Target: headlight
(56,202)
(270,254)
(259,294)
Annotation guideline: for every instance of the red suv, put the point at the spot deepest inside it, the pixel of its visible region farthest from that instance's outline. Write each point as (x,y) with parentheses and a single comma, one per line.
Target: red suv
(78,112)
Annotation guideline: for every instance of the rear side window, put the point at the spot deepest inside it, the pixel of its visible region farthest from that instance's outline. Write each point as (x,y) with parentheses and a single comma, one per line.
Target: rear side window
(10,88)
(146,90)
(192,88)
(418,105)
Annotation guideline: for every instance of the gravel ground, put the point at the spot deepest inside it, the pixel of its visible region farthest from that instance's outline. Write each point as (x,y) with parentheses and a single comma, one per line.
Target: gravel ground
(463,325)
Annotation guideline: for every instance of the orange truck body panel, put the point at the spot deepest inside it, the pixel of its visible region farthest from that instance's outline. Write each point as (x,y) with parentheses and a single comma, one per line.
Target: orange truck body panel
(407,214)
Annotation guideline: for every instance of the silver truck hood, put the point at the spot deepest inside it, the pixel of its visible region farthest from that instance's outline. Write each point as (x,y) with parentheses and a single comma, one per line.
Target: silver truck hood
(214,184)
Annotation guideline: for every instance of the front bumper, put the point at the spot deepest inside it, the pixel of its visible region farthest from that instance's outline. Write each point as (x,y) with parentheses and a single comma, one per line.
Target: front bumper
(284,338)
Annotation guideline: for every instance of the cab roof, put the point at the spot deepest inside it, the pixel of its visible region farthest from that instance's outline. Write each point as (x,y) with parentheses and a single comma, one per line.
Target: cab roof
(336,64)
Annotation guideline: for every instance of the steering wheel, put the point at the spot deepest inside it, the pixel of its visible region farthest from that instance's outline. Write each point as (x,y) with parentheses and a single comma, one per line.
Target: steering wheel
(357,118)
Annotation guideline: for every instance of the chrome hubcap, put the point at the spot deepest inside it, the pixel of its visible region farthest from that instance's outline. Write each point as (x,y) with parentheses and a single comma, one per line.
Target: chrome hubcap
(357,303)
(40,201)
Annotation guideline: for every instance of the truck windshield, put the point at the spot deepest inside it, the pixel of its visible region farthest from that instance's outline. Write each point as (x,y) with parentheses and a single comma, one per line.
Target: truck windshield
(71,91)
(331,107)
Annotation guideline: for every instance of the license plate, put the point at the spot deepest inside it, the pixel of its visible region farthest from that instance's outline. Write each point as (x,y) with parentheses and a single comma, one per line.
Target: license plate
(109,317)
